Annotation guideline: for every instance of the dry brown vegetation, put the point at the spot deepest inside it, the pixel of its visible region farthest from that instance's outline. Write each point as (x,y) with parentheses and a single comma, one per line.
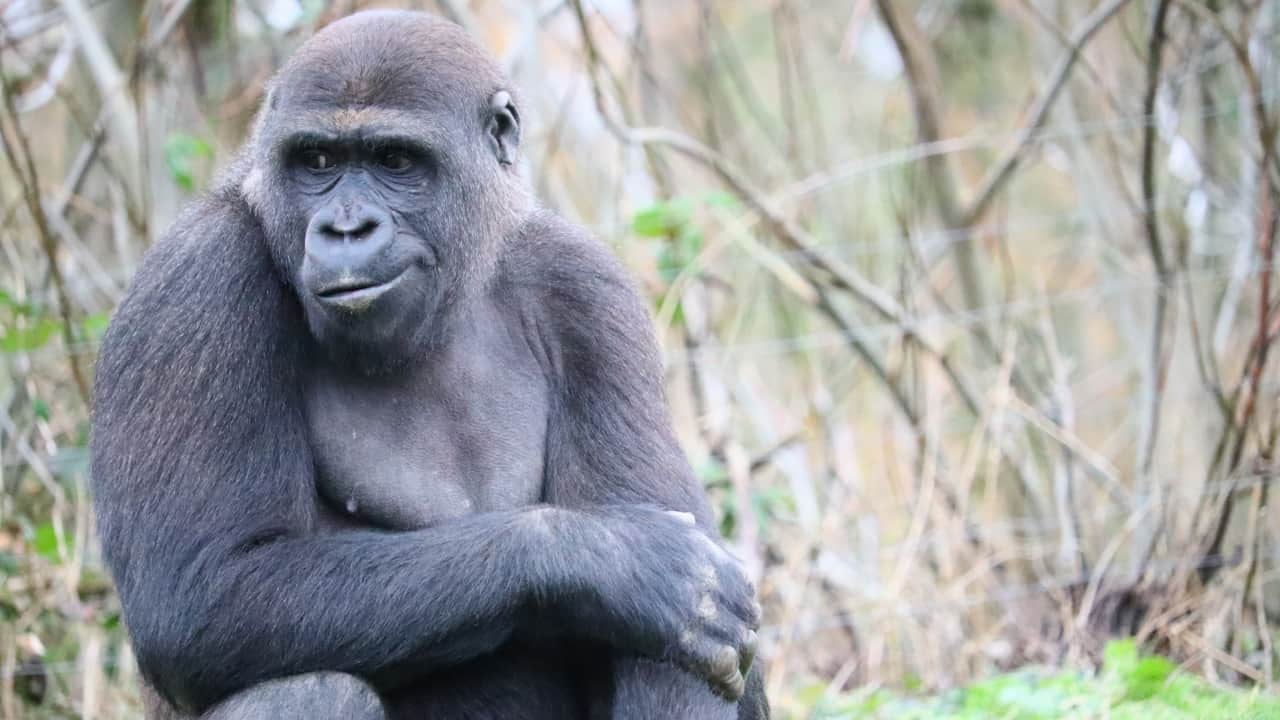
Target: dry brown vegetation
(968,305)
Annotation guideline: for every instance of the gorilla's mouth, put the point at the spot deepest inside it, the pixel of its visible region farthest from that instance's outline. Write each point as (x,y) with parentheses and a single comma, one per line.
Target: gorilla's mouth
(353,294)
(346,288)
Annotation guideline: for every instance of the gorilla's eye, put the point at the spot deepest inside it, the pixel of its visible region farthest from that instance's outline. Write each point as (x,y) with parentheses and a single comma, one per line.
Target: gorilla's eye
(395,161)
(317,161)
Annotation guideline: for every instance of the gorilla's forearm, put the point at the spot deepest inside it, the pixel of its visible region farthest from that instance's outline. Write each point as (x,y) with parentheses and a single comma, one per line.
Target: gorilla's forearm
(370,603)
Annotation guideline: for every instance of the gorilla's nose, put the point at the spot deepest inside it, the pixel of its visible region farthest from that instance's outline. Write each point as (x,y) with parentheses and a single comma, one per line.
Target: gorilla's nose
(349,256)
(349,237)
(350,223)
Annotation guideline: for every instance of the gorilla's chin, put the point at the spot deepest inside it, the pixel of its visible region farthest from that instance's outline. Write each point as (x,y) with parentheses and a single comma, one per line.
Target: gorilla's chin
(374,328)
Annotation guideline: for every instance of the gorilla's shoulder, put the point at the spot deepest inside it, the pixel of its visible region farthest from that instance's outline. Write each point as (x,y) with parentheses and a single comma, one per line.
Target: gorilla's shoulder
(577,289)
(551,253)
(215,238)
(211,268)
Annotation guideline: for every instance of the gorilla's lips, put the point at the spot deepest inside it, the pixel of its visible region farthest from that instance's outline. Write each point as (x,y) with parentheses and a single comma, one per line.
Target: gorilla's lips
(355,294)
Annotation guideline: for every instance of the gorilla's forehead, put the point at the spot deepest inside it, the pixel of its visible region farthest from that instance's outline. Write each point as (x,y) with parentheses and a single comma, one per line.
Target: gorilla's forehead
(403,86)
(389,59)
(356,122)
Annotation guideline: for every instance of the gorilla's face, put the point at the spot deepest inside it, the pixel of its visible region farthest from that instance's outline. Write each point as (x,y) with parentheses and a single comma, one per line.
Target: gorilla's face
(371,263)
(388,186)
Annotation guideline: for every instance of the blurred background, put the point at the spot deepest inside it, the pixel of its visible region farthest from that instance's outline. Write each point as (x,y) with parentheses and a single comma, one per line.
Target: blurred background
(967,308)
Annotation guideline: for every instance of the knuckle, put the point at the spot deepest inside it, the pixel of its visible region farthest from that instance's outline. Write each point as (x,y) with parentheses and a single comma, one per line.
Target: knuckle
(707,574)
(711,546)
(688,641)
(683,517)
(731,686)
(707,609)
(738,685)
(725,662)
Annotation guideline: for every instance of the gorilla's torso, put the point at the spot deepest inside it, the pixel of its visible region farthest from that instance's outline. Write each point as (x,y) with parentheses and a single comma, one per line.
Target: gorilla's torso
(464,434)
(467,434)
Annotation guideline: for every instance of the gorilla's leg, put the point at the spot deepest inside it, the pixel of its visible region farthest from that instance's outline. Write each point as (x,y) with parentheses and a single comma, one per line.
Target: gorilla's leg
(646,689)
(315,696)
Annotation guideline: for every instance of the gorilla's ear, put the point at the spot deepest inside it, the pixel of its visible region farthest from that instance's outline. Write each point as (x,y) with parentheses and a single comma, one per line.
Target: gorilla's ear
(504,127)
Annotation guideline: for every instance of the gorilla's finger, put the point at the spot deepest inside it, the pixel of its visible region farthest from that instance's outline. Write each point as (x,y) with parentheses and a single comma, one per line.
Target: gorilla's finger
(747,655)
(725,663)
(732,686)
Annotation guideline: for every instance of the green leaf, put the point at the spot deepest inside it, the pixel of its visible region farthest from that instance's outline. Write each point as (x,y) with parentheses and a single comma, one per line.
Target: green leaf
(32,337)
(95,325)
(40,409)
(45,542)
(650,222)
(16,306)
(181,153)
(1120,657)
(663,219)
(1148,677)
(690,242)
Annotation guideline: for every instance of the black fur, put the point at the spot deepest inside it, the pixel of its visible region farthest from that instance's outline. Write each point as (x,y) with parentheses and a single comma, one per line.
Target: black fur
(440,489)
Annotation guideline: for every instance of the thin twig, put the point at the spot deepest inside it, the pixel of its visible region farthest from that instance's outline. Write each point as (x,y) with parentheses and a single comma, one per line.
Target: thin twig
(1158,365)
(18,152)
(1003,168)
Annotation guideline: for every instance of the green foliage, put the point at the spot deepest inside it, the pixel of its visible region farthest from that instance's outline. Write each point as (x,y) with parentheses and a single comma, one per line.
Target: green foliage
(9,303)
(44,540)
(674,224)
(672,221)
(1141,677)
(1129,687)
(95,325)
(29,337)
(21,327)
(26,327)
(183,154)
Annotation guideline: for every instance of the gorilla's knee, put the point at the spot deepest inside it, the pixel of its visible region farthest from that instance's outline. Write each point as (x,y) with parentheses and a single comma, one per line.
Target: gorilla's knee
(647,689)
(318,696)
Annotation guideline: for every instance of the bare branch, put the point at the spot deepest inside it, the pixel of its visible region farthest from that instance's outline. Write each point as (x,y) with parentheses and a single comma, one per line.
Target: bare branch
(1003,168)
(18,152)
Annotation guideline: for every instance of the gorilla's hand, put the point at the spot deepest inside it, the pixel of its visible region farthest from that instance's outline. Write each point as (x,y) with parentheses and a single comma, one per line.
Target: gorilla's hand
(651,582)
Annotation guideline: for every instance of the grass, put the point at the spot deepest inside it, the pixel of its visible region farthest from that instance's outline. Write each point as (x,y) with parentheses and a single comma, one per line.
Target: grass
(1128,686)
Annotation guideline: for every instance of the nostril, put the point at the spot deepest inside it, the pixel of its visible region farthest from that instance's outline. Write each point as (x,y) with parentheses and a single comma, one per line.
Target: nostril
(351,231)
(364,230)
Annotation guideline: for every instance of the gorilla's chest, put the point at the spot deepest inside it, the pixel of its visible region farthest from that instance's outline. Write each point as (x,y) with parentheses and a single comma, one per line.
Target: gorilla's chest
(464,433)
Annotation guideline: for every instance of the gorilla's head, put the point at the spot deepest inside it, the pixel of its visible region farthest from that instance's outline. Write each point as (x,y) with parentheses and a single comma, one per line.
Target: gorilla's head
(383,167)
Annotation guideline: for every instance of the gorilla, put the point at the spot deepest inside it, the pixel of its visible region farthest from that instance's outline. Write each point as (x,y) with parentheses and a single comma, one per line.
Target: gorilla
(376,436)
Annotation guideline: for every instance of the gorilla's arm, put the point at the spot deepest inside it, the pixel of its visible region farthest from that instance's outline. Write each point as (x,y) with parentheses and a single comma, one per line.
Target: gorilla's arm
(205,494)
(610,437)
(610,443)
(206,498)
